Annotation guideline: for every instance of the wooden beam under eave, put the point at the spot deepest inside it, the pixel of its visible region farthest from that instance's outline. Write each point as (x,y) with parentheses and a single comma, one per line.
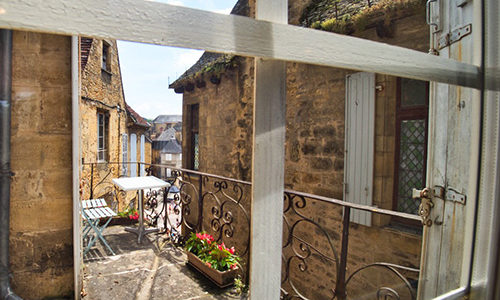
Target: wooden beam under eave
(268,165)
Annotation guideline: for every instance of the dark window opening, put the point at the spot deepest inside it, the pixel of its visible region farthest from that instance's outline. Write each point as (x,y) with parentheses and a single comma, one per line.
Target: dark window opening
(106,62)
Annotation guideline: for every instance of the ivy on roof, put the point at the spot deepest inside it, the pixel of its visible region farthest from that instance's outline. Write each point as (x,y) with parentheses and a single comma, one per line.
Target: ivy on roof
(348,16)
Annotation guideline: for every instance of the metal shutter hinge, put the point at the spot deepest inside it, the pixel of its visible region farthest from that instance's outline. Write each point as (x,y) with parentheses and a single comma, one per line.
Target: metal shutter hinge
(454,36)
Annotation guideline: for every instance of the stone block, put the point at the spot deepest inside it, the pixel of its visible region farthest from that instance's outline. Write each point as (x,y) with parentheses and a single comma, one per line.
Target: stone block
(388,165)
(379,143)
(320,163)
(27,185)
(22,251)
(324,131)
(26,41)
(380,126)
(24,65)
(27,216)
(380,103)
(51,284)
(379,164)
(390,144)
(52,44)
(25,102)
(58,184)
(26,152)
(55,109)
(55,71)
(53,250)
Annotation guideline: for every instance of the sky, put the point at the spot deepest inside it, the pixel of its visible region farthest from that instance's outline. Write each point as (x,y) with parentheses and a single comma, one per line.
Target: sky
(147,70)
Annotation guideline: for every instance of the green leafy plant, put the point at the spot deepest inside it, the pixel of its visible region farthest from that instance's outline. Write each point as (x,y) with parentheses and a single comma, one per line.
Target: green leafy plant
(130,213)
(213,254)
(239,286)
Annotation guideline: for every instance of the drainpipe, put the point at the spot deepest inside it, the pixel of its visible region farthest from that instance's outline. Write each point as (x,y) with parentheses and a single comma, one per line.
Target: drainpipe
(5,171)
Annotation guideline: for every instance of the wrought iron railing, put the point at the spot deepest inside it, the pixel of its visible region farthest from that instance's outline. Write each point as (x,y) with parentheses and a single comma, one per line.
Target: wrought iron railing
(317,261)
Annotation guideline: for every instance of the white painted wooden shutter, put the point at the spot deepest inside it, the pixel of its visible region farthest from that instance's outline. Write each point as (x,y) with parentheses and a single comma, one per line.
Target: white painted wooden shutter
(124,154)
(133,155)
(143,155)
(359,126)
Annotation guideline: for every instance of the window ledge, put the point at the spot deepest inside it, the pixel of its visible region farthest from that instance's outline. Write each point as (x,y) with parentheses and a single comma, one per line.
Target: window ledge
(106,71)
(403,228)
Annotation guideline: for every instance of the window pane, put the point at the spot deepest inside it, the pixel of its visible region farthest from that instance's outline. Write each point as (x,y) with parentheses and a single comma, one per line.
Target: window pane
(196,158)
(413,92)
(411,163)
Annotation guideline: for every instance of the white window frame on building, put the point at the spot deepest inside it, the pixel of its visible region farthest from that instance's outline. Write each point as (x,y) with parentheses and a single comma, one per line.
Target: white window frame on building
(124,154)
(102,136)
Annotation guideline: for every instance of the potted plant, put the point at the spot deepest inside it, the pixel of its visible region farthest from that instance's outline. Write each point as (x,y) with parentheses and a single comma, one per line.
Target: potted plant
(126,217)
(217,262)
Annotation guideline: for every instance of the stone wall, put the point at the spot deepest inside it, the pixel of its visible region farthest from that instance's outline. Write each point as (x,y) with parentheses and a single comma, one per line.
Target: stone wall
(41,241)
(225,123)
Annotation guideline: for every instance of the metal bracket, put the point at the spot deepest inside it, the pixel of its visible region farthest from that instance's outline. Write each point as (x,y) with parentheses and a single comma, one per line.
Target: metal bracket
(453,195)
(454,36)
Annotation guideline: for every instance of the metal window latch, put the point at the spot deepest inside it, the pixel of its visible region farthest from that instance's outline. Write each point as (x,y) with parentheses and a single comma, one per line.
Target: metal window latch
(426,204)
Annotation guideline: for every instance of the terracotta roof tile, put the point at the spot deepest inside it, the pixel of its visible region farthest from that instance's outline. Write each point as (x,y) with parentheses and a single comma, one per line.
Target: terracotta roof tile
(85,45)
(136,117)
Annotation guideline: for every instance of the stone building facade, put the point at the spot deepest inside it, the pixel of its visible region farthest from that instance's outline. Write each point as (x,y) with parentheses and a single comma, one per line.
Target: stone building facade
(112,133)
(218,135)
(41,233)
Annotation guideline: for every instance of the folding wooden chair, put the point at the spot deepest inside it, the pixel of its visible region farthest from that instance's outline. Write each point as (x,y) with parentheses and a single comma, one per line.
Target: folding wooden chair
(93,211)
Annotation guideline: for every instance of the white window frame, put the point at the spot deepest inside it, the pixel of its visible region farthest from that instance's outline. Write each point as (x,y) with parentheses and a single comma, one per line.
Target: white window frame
(124,154)
(102,150)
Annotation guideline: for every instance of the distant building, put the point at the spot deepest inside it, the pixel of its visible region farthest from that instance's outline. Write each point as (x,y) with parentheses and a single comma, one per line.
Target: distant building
(167,151)
(163,122)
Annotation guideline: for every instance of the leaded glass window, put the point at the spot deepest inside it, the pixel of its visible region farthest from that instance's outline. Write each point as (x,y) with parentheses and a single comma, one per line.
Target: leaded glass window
(411,143)
(411,163)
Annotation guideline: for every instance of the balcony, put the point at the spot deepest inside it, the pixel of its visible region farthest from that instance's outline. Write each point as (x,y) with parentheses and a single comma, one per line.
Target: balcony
(324,256)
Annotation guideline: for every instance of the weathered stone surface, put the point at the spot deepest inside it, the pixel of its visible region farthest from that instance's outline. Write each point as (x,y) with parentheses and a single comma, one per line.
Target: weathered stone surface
(41,195)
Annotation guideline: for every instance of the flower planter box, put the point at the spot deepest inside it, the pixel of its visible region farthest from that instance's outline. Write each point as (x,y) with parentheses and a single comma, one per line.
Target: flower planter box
(221,279)
(124,221)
